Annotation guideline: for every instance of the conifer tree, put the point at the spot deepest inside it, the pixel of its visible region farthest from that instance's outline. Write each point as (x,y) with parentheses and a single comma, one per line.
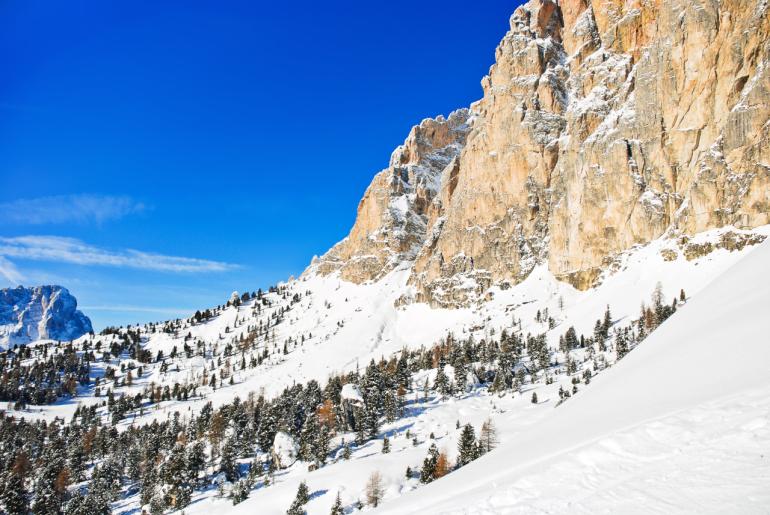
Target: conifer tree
(428,472)
(337,506)
(461,376)
(488,437)
(385,445)
(441,384)
(228,464)
(13,496)
(466,447)
(303,496)
(346,452)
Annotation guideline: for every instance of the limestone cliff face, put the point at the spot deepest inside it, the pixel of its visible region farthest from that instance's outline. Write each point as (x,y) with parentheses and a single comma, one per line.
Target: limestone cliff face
(667,125)
(603,125)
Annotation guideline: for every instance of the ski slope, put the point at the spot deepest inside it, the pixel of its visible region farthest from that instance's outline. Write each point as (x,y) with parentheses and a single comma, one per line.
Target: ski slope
(681,425)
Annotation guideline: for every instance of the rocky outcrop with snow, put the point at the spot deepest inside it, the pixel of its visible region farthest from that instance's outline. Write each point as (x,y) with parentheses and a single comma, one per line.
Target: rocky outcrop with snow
(285,450)
(398,207)
(603,125)
(41,312)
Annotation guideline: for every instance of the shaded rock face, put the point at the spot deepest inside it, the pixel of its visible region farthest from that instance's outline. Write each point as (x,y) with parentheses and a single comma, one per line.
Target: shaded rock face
(393,215)
(41,312)
(603,124)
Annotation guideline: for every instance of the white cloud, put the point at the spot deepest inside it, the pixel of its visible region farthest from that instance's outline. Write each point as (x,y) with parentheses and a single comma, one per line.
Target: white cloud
(68,208)
(71,250)
(9,272)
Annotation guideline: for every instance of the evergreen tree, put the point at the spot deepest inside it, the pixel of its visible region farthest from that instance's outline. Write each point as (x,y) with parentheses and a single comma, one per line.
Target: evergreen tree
(441,384)
(534,397)
(466,447)
(228,464)
(240,492)
(621,344)
(337,506)
(303,496)
(461,376)
(570,340)
(385,445)
(346,452)
(13,496)
(428,472)
(52,479)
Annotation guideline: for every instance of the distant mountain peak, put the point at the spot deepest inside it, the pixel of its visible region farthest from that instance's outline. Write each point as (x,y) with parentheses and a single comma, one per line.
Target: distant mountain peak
(40,312)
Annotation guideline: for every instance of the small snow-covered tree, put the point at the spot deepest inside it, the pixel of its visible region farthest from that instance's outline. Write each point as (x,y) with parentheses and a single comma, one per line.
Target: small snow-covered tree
(488,437)
(374,489)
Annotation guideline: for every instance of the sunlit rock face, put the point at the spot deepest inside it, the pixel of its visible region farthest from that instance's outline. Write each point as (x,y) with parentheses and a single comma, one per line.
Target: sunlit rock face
(602,125)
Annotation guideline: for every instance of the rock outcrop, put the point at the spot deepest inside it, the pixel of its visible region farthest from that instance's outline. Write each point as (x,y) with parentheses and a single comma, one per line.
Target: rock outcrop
(393,216)
(603,124)
(41,312)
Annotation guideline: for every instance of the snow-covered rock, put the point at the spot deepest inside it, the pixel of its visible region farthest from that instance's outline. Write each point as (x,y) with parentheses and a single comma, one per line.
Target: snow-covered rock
(285,450)
(351,393)
(41,312)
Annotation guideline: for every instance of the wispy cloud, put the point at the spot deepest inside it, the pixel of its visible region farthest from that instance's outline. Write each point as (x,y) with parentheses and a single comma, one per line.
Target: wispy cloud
(71,250)
(9,272)
(68,209)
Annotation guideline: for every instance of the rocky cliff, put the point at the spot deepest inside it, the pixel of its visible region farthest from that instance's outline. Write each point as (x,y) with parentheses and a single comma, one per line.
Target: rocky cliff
(42,312)
(603,124)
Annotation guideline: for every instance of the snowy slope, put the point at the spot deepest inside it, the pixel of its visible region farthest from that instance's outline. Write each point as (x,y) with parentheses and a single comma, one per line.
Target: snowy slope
(681,425)
(661,416)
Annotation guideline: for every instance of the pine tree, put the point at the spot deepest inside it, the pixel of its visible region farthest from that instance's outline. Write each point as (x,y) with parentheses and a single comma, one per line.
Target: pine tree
(428,472)
(385,445)
(346,452)
(607,322)
(534,397)
(52,479)
(303,496)
(228,464)
(441,384)
(466,447)
(13,496)
(240,492)
(461,376)
(621,344)
(337,506)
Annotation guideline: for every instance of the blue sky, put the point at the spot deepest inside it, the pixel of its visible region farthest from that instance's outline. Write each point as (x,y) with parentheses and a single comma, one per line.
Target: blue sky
(156,156)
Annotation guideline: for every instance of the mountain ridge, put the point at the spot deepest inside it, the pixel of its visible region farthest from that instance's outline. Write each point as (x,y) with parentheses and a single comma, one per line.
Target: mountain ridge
(595,133)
